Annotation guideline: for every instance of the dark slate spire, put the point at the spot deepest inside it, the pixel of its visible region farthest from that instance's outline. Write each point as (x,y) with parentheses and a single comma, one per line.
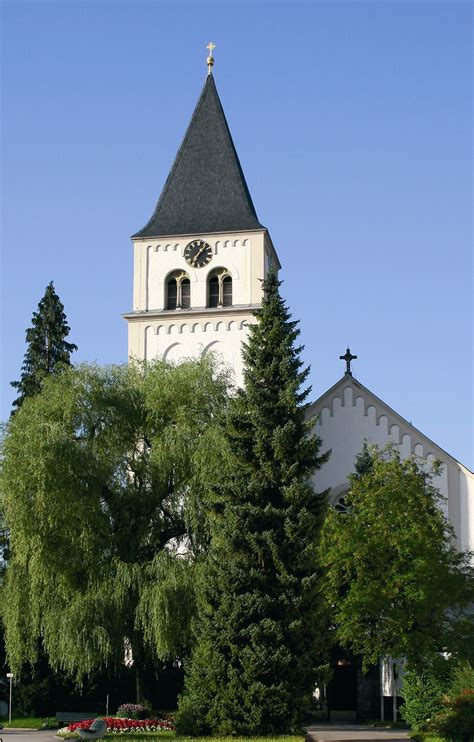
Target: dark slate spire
(206,189)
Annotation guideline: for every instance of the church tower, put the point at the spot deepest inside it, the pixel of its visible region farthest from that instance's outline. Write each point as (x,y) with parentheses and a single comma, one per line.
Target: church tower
(200,260)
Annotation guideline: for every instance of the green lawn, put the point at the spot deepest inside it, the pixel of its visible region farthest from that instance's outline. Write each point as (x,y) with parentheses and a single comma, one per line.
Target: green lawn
(419,737)
(29,723)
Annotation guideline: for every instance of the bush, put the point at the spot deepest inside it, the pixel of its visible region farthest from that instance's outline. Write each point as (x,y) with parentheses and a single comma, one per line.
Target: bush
(463,678)
(133,711)
(456,722)
(423,693)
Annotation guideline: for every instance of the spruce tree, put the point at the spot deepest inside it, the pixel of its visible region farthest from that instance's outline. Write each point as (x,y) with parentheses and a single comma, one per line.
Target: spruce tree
(46,353)
(47,349)
(364,462)
(253,667)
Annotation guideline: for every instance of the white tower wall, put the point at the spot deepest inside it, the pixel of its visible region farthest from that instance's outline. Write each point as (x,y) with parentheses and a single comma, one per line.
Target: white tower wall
(155,332)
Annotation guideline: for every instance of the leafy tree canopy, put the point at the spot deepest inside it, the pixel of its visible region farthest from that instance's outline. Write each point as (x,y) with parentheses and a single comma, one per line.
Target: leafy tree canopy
(253,668)
(47,349)
(101,479)
(4,547)
(394,580)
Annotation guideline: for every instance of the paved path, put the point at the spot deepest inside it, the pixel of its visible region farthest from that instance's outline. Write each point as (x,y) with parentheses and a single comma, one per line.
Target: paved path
(316,733)
(353,733)
(28,735)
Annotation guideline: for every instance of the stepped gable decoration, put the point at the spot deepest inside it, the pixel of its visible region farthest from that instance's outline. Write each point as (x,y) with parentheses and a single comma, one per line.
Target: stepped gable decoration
(205,191)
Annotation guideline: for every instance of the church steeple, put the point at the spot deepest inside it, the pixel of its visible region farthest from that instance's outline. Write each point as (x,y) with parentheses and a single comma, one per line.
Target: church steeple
(199,263)
(205,191)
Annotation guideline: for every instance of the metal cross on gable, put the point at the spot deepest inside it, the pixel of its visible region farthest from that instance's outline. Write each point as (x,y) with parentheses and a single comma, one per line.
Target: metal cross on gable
(348,357)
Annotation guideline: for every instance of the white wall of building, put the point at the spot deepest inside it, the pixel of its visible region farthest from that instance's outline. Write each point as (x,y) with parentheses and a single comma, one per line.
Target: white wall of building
(243,254)
(466,515)
(349,414)
(191,339)
(155,332)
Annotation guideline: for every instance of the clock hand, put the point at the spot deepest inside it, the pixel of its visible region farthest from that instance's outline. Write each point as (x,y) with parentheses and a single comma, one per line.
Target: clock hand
(198,254)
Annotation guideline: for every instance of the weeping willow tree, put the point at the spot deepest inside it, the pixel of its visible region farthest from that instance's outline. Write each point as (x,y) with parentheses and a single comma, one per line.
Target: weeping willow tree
(101,483)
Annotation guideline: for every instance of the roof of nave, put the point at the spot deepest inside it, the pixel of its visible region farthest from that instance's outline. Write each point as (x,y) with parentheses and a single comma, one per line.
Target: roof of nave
(382,409)
(205,191)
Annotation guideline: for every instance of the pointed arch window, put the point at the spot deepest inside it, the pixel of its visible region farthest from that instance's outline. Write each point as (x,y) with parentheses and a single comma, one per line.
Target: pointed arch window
(339,500)
(219,288)
(178,291)
(341,505)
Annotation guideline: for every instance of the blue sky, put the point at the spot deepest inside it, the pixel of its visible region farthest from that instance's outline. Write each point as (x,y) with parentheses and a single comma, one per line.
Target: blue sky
(352,121)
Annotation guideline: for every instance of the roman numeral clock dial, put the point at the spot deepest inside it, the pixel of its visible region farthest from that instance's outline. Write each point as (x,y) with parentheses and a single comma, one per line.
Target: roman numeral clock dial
(198,253)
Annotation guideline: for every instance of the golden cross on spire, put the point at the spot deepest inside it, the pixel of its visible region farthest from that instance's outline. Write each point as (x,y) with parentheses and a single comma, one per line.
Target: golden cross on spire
(210,59)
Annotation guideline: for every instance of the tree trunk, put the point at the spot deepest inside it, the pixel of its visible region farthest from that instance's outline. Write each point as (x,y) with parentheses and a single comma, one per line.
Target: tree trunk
(145,673)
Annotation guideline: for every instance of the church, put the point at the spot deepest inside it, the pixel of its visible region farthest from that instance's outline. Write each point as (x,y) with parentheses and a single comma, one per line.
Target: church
(199,263)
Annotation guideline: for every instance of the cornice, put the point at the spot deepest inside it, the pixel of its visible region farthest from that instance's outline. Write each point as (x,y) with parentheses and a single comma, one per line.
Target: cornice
(169,237)
(179,314)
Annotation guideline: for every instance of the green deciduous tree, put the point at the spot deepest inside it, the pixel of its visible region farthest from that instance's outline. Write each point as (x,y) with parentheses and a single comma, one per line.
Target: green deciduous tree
(254,664)
(394,579)
(47,350)
(100,475)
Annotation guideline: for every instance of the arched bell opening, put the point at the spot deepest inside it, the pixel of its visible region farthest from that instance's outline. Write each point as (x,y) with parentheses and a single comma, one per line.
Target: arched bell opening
(219,288)
(178,291)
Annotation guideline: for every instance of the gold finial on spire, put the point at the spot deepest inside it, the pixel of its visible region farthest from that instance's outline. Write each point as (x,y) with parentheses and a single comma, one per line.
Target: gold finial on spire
(210,59)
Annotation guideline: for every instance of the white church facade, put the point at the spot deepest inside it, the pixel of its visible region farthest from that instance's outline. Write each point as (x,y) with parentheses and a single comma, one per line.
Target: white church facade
(199,264)
(345,416)
(348,414)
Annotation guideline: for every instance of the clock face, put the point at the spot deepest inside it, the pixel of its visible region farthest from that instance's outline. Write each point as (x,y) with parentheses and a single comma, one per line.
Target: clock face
(198,253)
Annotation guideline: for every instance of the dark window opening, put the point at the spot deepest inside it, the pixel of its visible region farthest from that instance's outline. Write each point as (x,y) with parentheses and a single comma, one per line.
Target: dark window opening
(214,292)
(227,291)
(185,293)
(172,294)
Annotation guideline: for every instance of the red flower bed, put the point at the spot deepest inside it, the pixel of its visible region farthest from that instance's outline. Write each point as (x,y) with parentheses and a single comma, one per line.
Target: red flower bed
(127,725)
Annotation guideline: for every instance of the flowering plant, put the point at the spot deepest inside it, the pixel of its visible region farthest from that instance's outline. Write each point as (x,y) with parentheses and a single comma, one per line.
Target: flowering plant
(126,726)
(133,711)
(456,722)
